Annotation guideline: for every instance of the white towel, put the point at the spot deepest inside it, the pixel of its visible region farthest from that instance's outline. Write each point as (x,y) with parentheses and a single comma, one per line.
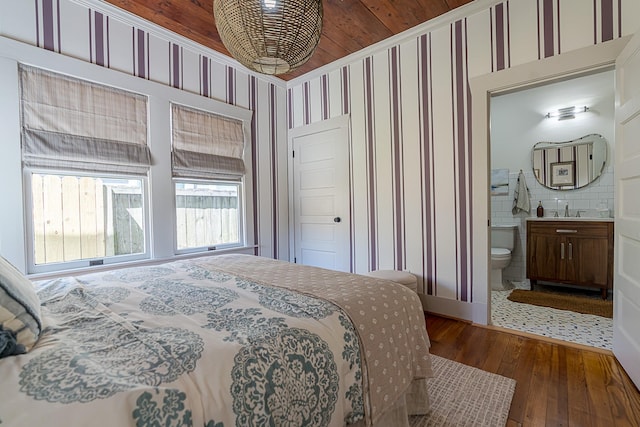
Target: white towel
(521,202)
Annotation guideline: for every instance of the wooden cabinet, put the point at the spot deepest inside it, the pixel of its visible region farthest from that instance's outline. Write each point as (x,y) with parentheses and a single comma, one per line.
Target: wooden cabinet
(571,252)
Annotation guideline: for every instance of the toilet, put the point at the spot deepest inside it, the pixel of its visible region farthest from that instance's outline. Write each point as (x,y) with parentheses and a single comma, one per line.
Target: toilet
(503,238)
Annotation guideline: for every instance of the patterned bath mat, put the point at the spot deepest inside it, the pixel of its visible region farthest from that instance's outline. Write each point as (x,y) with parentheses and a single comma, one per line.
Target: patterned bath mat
(465,396)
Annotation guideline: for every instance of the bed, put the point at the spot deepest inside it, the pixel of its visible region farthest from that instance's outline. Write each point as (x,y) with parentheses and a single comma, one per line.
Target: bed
(216,341)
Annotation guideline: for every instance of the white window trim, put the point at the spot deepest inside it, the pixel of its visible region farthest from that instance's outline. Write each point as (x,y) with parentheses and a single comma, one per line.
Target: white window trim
(13,231)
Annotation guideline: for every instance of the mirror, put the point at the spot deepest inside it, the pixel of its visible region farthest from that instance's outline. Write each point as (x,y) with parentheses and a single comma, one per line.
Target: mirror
(569,165)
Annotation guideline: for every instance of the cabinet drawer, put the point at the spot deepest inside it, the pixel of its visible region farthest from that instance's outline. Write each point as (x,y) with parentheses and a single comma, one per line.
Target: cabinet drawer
(571,228)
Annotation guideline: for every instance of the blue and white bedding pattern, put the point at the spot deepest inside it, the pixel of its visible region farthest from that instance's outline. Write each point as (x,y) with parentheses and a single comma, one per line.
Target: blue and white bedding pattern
(184,344)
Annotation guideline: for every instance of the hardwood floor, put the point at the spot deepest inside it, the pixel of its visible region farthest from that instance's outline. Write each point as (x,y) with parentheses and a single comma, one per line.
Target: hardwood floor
(557,385)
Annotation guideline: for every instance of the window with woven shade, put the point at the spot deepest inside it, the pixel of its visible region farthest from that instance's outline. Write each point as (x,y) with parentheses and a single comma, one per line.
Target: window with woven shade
(86,159)
(208,171)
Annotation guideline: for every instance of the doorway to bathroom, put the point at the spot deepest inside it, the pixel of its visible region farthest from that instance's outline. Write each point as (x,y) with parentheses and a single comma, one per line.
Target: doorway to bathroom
(519,120)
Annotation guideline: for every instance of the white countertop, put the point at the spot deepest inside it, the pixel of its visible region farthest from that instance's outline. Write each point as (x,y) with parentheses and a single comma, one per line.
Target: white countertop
(562,218)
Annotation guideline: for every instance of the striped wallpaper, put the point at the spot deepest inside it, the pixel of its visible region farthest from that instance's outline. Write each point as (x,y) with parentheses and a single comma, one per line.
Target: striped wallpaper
(103,37)
(409,105)
(410,109)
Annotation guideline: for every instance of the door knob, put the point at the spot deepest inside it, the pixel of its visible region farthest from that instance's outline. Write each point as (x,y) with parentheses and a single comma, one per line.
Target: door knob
(337,219)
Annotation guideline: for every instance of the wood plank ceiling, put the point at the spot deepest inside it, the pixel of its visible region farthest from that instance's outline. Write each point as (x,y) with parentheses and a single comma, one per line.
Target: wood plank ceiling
(349,25)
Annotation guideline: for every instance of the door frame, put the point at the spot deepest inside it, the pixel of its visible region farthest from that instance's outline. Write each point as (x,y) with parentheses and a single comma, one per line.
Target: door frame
(557,68)
(321,126)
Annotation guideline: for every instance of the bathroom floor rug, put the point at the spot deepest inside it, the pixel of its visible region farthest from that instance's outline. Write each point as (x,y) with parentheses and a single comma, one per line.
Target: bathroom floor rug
(577,304)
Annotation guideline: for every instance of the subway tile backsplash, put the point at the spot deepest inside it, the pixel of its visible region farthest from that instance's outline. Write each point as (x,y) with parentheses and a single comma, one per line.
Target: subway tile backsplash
(587,199)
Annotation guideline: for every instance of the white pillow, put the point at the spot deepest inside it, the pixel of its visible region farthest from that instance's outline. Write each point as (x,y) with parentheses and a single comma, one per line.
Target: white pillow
(19,311)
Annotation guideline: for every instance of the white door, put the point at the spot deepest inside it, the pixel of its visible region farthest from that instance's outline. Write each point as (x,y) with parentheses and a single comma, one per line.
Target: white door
(321,195)
(626,297)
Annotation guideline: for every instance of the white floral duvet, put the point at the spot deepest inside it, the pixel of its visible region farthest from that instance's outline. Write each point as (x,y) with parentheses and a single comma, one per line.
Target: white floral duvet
(193,343)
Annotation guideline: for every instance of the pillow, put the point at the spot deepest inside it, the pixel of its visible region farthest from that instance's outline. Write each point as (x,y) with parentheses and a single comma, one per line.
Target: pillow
(19,311)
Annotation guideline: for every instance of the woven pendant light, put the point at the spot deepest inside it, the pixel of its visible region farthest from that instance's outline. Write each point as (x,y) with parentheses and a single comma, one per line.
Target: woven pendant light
(269,36)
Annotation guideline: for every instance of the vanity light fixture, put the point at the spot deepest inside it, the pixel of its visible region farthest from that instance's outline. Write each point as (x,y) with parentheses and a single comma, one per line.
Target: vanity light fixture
(567,113)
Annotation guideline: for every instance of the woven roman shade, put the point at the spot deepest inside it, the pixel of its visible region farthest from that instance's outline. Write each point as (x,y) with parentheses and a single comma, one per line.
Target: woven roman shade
(269,36)
(73,124)
(206,145)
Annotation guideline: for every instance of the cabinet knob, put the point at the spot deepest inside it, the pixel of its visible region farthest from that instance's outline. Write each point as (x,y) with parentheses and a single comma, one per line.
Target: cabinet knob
(337,219)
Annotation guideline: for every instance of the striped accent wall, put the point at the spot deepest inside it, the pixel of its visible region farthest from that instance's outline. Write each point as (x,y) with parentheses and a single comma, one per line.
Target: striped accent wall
(175,66)
(98,38)
(371,164)
(324,82)
(426,167)
(48,24)
(408,104)
(397,158)
(205,76)
(410,109)
(461,115)
(500,58)
(346,99)
(290,108)
(306,93)
(104,37)
(607,23)
(273,137)
(231,85)
(548,14)
(140,41)
(253,105)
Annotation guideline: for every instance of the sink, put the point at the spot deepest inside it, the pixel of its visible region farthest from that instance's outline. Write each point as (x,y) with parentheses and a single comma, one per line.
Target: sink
(562,218)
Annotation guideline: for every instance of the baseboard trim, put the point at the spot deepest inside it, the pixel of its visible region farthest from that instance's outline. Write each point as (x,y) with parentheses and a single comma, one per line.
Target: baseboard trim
(454,309)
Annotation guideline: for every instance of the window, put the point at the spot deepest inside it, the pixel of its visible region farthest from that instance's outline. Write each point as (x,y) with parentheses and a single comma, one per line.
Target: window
(207,215)
(77,217)
(85,159)
(208,171)
(98,185)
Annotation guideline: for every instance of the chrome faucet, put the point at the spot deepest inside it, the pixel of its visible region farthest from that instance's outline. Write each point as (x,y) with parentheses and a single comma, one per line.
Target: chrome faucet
(566,210)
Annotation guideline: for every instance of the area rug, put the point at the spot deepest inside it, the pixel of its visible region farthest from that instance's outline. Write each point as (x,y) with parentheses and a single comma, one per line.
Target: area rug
(576,304)
(465,396)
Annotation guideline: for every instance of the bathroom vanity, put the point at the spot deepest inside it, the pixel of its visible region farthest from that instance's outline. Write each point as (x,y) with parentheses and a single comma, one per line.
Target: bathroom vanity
(571,251)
